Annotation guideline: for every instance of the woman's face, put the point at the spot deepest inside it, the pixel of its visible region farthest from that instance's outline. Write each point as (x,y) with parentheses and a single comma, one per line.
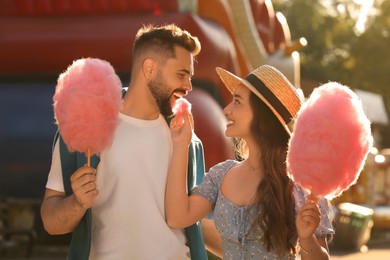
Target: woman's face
(239,114)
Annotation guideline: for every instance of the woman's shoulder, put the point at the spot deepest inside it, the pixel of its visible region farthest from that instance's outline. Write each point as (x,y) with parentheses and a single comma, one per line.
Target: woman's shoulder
(212,180)
(223,167)
(218,171)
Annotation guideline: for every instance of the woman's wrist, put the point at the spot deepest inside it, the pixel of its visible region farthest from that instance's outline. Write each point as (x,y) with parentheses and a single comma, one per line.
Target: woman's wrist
(307,252)
(180,146)
(308,245)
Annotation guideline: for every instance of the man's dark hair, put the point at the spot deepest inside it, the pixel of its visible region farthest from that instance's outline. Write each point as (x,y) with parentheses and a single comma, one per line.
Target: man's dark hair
(163,40)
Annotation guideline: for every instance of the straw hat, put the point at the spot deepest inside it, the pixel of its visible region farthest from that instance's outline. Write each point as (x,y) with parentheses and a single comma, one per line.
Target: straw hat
(272,87)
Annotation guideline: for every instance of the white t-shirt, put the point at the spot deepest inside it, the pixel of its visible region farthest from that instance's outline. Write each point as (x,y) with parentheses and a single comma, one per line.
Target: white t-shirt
(128,217)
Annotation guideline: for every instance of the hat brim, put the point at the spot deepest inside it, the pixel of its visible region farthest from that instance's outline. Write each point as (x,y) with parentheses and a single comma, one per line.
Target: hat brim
(232,82)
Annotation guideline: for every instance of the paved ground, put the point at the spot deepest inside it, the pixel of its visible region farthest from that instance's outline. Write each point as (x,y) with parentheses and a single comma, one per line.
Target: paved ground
(378,249)
(375,252)
(40,252)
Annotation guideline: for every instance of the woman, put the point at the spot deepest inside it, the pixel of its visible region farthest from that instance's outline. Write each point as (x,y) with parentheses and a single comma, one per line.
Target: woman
(259,212)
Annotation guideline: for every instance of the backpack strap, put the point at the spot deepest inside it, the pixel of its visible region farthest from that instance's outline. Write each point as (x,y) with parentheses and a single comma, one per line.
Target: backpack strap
(80,244)
(195,176)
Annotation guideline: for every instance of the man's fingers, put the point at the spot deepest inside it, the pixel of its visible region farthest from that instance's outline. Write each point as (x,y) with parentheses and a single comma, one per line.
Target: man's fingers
(83,180)
(82,171)
(85,194)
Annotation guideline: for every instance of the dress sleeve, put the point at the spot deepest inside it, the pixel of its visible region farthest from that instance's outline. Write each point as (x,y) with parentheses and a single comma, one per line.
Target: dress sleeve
(209,188)
(325,227)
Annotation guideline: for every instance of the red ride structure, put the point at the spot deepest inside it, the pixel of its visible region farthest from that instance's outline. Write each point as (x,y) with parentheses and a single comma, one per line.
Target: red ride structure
(39,39)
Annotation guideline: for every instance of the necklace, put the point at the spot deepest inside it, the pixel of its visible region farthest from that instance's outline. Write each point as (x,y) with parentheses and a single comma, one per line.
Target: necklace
(253,168)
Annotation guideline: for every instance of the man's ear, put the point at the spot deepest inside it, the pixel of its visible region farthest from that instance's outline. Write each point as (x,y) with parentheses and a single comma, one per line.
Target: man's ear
(148,68)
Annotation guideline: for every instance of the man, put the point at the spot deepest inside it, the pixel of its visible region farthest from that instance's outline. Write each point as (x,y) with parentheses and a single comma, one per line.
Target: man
(117,210)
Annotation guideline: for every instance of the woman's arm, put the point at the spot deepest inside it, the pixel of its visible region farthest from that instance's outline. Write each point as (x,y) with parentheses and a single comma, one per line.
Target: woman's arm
(314,248)
(182,210)
(307,221)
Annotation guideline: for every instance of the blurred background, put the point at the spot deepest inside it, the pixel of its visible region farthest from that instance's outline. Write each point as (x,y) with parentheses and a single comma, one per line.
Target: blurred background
(310,41)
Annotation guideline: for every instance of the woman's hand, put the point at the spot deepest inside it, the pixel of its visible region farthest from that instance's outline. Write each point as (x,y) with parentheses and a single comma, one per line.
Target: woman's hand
(308,218)
(181,130)
(307,221)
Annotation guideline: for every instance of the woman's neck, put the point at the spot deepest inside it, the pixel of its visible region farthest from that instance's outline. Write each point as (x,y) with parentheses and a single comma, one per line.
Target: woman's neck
(254,155)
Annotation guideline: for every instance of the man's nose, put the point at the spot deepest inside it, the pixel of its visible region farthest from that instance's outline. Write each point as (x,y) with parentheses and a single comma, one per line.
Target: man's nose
(188,85)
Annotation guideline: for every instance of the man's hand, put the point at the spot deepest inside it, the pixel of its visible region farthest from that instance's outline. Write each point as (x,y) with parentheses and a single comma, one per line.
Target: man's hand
(83,183)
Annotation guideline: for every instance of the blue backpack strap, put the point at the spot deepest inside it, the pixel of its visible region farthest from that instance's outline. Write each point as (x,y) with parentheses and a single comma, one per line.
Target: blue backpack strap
(195,176)
(80,244)
(68,165)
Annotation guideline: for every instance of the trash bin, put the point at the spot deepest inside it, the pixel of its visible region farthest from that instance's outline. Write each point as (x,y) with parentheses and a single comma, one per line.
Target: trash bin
(353,224)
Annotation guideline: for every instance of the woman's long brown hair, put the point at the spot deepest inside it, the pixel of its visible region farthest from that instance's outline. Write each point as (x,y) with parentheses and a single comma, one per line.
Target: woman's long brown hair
(274,199)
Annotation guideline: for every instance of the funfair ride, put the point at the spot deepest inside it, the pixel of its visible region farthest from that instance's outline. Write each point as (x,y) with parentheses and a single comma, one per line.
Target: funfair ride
(39,39)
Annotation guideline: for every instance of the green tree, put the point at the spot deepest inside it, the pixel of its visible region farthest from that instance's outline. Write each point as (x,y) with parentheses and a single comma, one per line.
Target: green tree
(329,34)
(371,61)
(337,50)
(370,55)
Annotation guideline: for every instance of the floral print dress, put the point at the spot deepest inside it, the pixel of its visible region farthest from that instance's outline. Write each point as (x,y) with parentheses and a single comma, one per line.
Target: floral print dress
(241,239)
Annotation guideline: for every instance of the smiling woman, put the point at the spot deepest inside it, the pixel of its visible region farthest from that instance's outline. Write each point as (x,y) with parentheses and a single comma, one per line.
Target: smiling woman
(254,219)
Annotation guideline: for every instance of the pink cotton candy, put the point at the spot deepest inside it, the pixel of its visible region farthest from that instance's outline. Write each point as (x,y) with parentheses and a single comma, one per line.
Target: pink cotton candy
(181,106)
(330,143)
(86,104)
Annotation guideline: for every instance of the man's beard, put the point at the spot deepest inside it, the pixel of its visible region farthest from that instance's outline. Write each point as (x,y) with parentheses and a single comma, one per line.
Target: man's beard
(161,94)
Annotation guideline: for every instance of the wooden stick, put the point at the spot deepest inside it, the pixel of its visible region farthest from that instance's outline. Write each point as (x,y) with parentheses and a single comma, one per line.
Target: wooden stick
(89,157)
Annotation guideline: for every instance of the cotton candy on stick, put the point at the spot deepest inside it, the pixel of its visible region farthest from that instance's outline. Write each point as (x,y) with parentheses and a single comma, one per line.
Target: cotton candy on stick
(330,143)
(86,103)
(181,106)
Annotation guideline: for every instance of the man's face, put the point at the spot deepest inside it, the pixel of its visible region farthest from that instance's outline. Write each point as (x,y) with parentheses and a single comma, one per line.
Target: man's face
(172,80)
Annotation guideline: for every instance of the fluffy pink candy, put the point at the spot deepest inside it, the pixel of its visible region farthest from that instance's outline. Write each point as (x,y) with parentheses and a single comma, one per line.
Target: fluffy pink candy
(181,106)
(86,104)
(330,143)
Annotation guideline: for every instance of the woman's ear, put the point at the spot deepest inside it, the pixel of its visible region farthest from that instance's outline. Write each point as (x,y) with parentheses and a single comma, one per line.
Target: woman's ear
(148,68)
